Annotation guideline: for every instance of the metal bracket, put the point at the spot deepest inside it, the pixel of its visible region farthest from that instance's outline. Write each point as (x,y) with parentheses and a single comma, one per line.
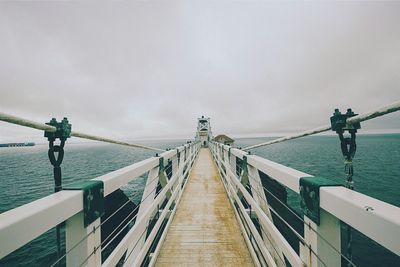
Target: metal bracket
(63,130)
(93,199)
(309,195)
(339,124)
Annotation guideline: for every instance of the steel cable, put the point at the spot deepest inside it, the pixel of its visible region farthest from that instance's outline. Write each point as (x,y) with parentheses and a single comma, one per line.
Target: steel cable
(356,119)
(41,126)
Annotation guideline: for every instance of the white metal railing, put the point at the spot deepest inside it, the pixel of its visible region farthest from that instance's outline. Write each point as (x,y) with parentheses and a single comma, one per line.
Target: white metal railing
(83,244)
(319,245)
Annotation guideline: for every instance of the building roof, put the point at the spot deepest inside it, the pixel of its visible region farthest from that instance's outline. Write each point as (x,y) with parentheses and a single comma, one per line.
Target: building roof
(223,136)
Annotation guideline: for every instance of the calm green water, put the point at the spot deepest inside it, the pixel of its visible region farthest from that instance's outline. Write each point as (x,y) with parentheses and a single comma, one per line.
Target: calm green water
(26,175)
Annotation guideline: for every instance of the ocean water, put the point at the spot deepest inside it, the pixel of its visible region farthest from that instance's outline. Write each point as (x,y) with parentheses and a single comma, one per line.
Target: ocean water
(26,175)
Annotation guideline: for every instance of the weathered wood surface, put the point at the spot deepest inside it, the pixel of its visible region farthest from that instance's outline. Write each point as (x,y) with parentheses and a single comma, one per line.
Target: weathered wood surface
(204,231)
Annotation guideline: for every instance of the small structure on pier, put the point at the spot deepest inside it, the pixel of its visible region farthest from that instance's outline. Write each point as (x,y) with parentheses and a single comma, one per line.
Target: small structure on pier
(203,133)
(224,139)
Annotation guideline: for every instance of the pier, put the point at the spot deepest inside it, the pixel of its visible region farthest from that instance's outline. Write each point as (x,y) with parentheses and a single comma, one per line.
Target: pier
(204,231)
(205,204)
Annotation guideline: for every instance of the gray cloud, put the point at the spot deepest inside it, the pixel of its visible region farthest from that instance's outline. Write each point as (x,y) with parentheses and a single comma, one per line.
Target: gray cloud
(149,69)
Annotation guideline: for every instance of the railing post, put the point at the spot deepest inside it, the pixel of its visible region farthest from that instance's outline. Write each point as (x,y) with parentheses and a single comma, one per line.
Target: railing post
(226,158)
(175,164)
(148,196)
(321,229)
(86,250)
(181,162)
(232,160)
(218,155)
(314,235)
(85,225)
(261,200)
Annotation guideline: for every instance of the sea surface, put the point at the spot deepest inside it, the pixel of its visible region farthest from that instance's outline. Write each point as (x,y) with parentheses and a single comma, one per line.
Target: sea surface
(26,175)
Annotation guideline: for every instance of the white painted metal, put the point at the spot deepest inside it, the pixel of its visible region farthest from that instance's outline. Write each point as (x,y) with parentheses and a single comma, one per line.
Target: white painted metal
(175,164)
(132,235)
(232,162)
(163,235)
(181,162)
(261,200)
(291,255)
(169,154)
(376,219)
(174,169)
(283,245)
(285,175)
(243,227)
(114,180)
(249,243)
(23,224)
(261,245)
(148,196)
(327,254)
(235,151)
(176,196)
(226,156)
(86,250)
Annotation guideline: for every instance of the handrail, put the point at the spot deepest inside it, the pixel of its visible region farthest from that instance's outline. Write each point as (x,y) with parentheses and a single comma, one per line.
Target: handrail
(365,214)
(22,224)
(119,251)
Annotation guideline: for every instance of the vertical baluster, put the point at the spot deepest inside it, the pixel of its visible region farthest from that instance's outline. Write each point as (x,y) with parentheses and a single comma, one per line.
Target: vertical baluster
(329,229)
(85,251)
(149,194)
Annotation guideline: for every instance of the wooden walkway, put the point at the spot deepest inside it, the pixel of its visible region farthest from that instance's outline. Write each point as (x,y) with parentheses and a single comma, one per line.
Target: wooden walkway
(204,231)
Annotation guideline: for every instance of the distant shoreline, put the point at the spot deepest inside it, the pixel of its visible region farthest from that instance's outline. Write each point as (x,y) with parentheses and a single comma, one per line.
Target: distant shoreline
(17,144)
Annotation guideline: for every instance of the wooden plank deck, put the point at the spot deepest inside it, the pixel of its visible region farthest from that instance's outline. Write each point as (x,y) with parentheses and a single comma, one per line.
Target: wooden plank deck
(204,230)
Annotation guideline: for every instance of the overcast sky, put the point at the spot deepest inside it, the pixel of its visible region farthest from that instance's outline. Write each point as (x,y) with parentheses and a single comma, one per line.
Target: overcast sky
(148,69)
